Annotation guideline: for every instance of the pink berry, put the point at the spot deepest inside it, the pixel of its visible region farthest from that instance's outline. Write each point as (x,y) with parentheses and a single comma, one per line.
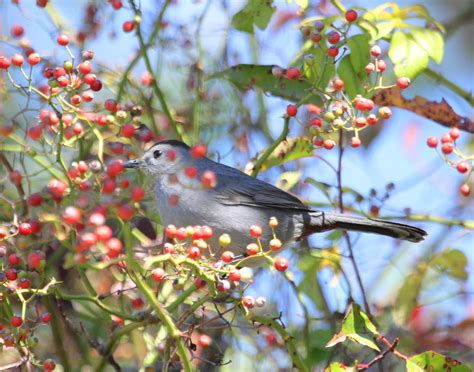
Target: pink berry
(375,51)
(465,190)
(403,82)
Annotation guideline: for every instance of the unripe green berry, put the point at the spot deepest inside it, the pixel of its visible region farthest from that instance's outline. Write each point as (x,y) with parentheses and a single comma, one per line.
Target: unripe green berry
(329,116)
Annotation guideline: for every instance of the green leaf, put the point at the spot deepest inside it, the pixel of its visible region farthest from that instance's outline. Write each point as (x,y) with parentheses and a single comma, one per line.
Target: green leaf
(452,262)
(348,74)
(433,361)
(339,367)
(260,76)
(408,294)
(431,41)
(256,12)
(323,187)
(322,70)
(309,265)
(288,180)
(317,353)
(408,57)
(356,327)
(360,53)
(289,150)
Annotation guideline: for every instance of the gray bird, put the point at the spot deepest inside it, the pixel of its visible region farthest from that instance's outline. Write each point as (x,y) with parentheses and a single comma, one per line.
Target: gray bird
(237,201)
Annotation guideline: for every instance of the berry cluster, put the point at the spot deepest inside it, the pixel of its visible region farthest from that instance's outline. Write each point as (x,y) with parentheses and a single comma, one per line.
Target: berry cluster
(463,164)
(338,111)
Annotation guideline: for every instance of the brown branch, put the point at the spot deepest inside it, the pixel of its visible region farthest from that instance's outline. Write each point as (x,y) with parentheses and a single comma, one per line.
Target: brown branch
(380,357)
(439,112)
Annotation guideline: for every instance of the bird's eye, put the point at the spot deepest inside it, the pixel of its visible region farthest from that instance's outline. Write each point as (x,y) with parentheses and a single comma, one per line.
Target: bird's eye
(157,153)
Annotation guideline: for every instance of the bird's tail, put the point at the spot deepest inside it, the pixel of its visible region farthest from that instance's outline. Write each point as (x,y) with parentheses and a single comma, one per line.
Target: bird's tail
(322,221)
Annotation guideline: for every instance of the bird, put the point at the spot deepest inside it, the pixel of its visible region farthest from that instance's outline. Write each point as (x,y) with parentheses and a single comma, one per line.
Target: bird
(193,190)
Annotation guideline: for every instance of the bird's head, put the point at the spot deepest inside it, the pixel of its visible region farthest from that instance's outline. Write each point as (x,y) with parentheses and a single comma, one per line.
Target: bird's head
(165,157)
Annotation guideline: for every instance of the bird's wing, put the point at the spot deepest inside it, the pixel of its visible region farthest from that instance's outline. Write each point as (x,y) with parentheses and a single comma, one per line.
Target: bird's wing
(236,188)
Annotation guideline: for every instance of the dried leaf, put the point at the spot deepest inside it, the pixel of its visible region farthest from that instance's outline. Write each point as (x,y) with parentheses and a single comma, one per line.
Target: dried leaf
(440,112)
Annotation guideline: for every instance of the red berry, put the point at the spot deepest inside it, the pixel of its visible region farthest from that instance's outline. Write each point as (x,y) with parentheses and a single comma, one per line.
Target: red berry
(334,37)
(96,86)
(206,232)
(252,249)
(11,274)
(24,283)
(49,365)
(329,144)
(375,51)
(14,259)
(316,122)
(432,141)
(208,179)
(16,321)
(190,171)
(108,186)
(114,247)
(128,26)
(137,303)
(281,263)
(42,4)
(372,119)
(125,212)
(62,40)
(462,167)
(293,73)
(46,318)
(360,122)
(316,37)
(223,286)
(355,142)
(15,177)
(85,68)
(403,82)
(447,148)
(465,190)
(381,65)
(103,233)
(17,30)
(454,133)
(235,275)
(57,187)
(255,231)
(204,341)
(18,60)
(4,62)
(198,151)
(248,302)
(25,228)
(338,84)
(111,105)
(116,4)
(333,51)
(227,256)
(128,130)
(35,259)
(72,215)
(158,274)
(351,15)
(115,168)
(34,59)
(137,194)
(370,68)
(194,252)
(446,138)
(291,110)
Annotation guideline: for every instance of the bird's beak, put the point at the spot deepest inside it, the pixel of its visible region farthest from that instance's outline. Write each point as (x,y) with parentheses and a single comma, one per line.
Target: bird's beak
(135,163)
